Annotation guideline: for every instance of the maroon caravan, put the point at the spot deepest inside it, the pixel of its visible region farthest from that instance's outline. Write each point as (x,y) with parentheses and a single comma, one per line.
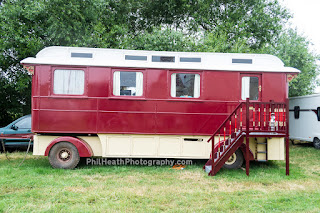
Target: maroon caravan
(114,103)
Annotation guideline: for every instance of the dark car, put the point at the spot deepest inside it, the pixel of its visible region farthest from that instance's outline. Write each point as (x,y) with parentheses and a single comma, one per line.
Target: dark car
(16,134)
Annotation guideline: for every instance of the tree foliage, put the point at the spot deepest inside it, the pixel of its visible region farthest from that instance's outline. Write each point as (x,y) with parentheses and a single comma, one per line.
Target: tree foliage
(293,50)
(257,21)
(27,26)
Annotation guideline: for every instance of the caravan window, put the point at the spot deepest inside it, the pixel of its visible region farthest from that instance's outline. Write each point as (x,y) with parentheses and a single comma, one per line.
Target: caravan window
(185,85)
(250,88)
(68,82)
(127,83)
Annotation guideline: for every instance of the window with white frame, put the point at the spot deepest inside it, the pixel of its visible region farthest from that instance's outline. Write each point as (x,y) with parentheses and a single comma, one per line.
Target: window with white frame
(127,83)
(68,82)
(185,85)
(250,88)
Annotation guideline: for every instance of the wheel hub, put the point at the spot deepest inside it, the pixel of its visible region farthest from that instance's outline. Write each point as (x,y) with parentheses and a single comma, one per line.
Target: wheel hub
(64,155)
(232,159)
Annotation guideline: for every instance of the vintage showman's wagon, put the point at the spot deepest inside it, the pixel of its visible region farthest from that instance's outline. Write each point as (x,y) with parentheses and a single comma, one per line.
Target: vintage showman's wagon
(146,104)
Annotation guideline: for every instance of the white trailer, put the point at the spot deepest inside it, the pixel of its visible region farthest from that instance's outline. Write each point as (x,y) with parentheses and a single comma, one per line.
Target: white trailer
(304,119)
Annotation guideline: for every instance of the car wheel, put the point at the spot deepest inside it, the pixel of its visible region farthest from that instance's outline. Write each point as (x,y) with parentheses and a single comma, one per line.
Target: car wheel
(316,143)
(235,161)
(64,155)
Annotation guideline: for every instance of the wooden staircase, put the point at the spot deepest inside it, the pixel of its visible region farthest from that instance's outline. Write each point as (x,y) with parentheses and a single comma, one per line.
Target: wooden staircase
(248,119)
(224,150)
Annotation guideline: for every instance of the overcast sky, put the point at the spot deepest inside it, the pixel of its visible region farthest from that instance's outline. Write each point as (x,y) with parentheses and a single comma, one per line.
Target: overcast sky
(306,17)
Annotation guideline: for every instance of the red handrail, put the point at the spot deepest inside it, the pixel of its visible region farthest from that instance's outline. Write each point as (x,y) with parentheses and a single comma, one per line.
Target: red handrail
(225,121)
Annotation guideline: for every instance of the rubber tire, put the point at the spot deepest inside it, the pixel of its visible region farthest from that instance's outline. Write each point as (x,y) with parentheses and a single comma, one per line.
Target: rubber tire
(238,161)
(1,148)
(316,143)
(69,164)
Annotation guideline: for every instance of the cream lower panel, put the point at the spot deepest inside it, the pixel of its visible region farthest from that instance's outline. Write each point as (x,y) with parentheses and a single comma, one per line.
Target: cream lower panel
(41,142)
(36,145)
(169,146)
(94,143)
(194,148)
(155,146)
(144,146)
(276,148)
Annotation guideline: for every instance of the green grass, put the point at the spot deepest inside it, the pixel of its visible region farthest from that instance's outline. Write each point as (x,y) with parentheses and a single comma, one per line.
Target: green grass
(35,186)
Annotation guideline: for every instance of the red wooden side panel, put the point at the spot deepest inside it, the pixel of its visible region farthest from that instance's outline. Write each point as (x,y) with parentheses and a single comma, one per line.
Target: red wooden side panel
(126,116)
(157,84)
(156,112)
(221,86)
(274,87)
(187,117)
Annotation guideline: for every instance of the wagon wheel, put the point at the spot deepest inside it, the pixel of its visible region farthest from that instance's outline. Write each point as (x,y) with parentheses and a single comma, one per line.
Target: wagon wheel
(235,161)
(64,155)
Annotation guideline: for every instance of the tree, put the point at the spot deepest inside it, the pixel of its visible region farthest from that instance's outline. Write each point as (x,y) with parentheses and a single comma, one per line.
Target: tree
(293,50)
(161,40)
(27,26)
(257,21)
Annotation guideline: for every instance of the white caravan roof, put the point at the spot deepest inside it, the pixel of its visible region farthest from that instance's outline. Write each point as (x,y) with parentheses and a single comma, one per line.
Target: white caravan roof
(81,56)
(305,96)
(305,102)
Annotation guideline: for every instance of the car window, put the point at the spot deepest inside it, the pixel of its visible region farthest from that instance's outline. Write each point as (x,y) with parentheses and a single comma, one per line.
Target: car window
(24,123)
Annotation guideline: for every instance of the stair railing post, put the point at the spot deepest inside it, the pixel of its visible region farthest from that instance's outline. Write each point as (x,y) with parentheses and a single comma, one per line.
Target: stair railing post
(287,136)
(247,135)
(212,157)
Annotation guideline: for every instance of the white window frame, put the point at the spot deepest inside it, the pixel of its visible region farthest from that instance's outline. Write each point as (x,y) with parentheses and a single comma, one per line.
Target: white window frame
(196,91)
(139,83)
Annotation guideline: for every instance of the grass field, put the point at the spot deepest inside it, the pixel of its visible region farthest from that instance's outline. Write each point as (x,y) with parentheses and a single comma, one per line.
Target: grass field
(35,186)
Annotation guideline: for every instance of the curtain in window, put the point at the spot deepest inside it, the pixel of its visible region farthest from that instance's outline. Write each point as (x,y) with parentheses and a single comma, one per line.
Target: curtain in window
(139,81)
(116,83)
(173,85)
(245,88)
(68,82)
(197,86)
